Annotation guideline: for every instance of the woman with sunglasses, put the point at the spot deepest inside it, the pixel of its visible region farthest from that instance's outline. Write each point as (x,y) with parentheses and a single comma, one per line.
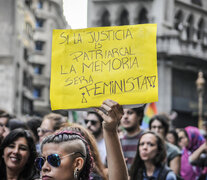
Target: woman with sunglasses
(66,155)
(17,156)
(98,171)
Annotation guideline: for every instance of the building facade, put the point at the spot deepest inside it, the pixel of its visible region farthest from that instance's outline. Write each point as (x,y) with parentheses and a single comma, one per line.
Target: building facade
(181,46)
(48,16)
(25,48)
(17,25)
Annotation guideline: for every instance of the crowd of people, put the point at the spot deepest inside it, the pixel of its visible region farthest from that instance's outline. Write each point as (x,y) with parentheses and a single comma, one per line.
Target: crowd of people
(109,144)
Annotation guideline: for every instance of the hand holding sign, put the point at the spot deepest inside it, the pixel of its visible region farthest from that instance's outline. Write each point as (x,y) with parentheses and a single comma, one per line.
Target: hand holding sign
(94,64)
(112,113)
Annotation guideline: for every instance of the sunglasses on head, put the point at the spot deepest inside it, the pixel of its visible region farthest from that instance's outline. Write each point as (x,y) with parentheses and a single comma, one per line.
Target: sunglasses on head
(93,122)
(53,159)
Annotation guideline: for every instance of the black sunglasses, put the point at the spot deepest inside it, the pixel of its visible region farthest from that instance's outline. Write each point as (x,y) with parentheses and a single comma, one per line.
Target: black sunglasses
(93,122)
(53,159)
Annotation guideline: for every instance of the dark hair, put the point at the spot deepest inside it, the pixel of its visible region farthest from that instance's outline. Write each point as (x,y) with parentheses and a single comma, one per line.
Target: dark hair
(95,113)
(184,131)
(5,114)
(138,166)
(29,169)
(65,136)
(140,112)
(33,124)
(175,135)
(16,123)
(162,119)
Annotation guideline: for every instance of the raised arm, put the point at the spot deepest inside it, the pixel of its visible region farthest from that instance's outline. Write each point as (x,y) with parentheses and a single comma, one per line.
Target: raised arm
(194,157)
(112,113)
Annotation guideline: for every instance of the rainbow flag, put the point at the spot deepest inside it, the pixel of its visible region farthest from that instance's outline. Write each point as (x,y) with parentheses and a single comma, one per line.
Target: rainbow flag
(150,110)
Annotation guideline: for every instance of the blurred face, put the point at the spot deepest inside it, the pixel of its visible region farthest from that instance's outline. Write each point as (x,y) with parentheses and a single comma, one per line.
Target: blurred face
(157,127)
(66,168)
(3,120)
(45,129)
(16,155)
(183,140)
(148,147)
(170,138)
(93,124)
(130,120)
(4,131)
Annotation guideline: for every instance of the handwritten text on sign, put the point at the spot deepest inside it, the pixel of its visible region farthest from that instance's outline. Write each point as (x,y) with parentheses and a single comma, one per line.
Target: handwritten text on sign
(91,65)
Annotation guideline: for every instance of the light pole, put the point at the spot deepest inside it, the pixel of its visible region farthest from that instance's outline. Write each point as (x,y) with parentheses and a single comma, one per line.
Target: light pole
(200,84)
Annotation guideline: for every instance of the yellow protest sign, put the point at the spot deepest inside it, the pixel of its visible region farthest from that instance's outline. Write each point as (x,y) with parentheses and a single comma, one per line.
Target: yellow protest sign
(90,65)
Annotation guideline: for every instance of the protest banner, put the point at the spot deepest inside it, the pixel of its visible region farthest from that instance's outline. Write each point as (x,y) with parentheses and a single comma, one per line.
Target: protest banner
(93,64)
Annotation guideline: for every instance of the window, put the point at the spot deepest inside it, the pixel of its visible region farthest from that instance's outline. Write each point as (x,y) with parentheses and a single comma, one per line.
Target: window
(24,78)
(105,19)
(26,56)
(40,4)
(28,3)
(190,28)
(200,32)
(124,18)
(27,80)
(38,69)
(39,22)
(39,45)
(37,92)
(178,24)
(143,17)
(27,105)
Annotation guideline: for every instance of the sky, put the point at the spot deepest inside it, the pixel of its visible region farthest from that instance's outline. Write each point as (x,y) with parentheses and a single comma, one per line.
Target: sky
(75,12)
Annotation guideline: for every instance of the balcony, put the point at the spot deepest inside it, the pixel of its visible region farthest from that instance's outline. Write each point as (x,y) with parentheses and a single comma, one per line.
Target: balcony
(176,45)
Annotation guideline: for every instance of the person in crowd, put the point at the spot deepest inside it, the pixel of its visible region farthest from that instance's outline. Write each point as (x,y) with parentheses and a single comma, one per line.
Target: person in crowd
(2,130)
(33,124)
(199,158)
(149,162)
(172,137)
(50,123)
(93,122)
(131,121)
(4,120)
(98,170)
(190,140)
(66,154)
(159,124)
(17,156)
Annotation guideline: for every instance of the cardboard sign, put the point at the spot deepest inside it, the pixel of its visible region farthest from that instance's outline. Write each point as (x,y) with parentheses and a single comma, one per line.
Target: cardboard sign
(93,64)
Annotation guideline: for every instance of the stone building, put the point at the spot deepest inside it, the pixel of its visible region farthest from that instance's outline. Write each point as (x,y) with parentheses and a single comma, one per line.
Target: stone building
(25,48)
(181,46)
(48,16)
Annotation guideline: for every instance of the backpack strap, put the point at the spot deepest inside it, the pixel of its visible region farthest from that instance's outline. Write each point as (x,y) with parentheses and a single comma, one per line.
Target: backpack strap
(164,172)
